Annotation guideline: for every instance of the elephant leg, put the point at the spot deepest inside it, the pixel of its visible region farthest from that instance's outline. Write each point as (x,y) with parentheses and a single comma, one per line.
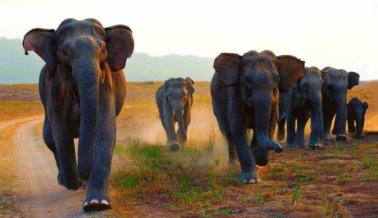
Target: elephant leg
(169,126)
(49,139)
(68,172)
(359,126)
(273,121)
(299,136)
(98,183)
(231,149)
(247,162)
(351,127)
(362,123)
(281,129)
(327,121)
(290,138)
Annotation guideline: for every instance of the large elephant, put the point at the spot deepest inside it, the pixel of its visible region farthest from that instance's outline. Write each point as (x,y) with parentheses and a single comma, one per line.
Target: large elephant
(174,100)
(334,101)
(244,92)
(356,116)
(82,88)
(304,100)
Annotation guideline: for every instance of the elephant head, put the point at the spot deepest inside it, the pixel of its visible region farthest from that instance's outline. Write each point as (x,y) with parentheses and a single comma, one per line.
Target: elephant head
(334,98)
(82,53)
(262,75)
(178,93)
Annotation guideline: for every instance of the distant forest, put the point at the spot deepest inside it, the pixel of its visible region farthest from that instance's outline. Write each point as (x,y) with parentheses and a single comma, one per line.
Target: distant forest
(15,67)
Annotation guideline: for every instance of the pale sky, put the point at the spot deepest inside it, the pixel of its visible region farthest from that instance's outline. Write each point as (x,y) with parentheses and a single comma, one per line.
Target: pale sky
(342,34)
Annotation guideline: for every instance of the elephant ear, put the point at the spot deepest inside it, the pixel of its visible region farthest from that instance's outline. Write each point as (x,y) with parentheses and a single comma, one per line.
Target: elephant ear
(353,79)
(290,69)
(227,66)
(42,41)
(120,45)
(189,84)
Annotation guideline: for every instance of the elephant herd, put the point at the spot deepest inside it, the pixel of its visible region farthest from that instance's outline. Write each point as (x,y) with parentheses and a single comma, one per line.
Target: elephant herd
(82,88)
(258,90)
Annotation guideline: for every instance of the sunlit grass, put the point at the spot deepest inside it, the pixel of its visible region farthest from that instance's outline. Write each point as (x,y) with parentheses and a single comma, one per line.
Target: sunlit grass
(186,177)
(19,109)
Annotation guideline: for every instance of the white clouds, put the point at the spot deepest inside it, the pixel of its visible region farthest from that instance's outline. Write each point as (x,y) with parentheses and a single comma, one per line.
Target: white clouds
(339,33)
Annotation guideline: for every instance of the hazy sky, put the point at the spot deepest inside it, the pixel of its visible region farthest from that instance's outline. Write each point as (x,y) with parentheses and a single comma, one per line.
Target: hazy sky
(343,34)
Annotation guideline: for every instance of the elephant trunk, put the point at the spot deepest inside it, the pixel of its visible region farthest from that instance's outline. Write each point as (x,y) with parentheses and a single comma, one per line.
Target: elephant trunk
(86,76)
(179,113)
(340,121)
(262,105)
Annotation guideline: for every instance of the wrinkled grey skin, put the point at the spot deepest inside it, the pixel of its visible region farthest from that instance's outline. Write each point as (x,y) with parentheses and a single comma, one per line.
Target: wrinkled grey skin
(244,92)
(82,88)
(174,100)
(334,101)
(356,116)
(304,100)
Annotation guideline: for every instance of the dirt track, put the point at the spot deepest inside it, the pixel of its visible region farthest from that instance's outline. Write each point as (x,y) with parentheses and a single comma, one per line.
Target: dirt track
(37,192)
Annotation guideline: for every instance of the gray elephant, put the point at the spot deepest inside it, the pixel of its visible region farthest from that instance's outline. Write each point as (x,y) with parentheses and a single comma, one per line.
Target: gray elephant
(304,100)
(334,101)
(244,91)
(82,88)
(356,116)
(174,100)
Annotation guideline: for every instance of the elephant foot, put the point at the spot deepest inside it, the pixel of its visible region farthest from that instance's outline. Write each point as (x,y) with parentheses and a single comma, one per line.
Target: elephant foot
(261,156)
(69,183)
(341,138)
(315,146)
(248,178)
(174,146)
(96,205)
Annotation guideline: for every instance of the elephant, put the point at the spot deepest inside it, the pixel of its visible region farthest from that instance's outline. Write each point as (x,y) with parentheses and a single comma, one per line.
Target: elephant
(244,91)
(334,101)
(304,100)
(356,115)
(174,100)
(82,88)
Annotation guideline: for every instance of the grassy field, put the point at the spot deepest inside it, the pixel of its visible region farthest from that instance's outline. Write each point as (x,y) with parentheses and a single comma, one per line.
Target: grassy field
(19,101)
(339,181)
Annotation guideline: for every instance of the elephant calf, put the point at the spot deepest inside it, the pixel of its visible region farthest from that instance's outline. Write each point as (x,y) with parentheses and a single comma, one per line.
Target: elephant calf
(304,100)
(356,115)
(174,100)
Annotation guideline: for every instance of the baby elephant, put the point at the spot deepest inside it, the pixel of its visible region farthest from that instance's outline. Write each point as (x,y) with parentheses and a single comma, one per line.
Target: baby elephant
(356,114)
(174,100)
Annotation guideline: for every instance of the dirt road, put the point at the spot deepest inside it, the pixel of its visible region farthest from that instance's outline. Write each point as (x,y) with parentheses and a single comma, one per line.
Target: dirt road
(36,191)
